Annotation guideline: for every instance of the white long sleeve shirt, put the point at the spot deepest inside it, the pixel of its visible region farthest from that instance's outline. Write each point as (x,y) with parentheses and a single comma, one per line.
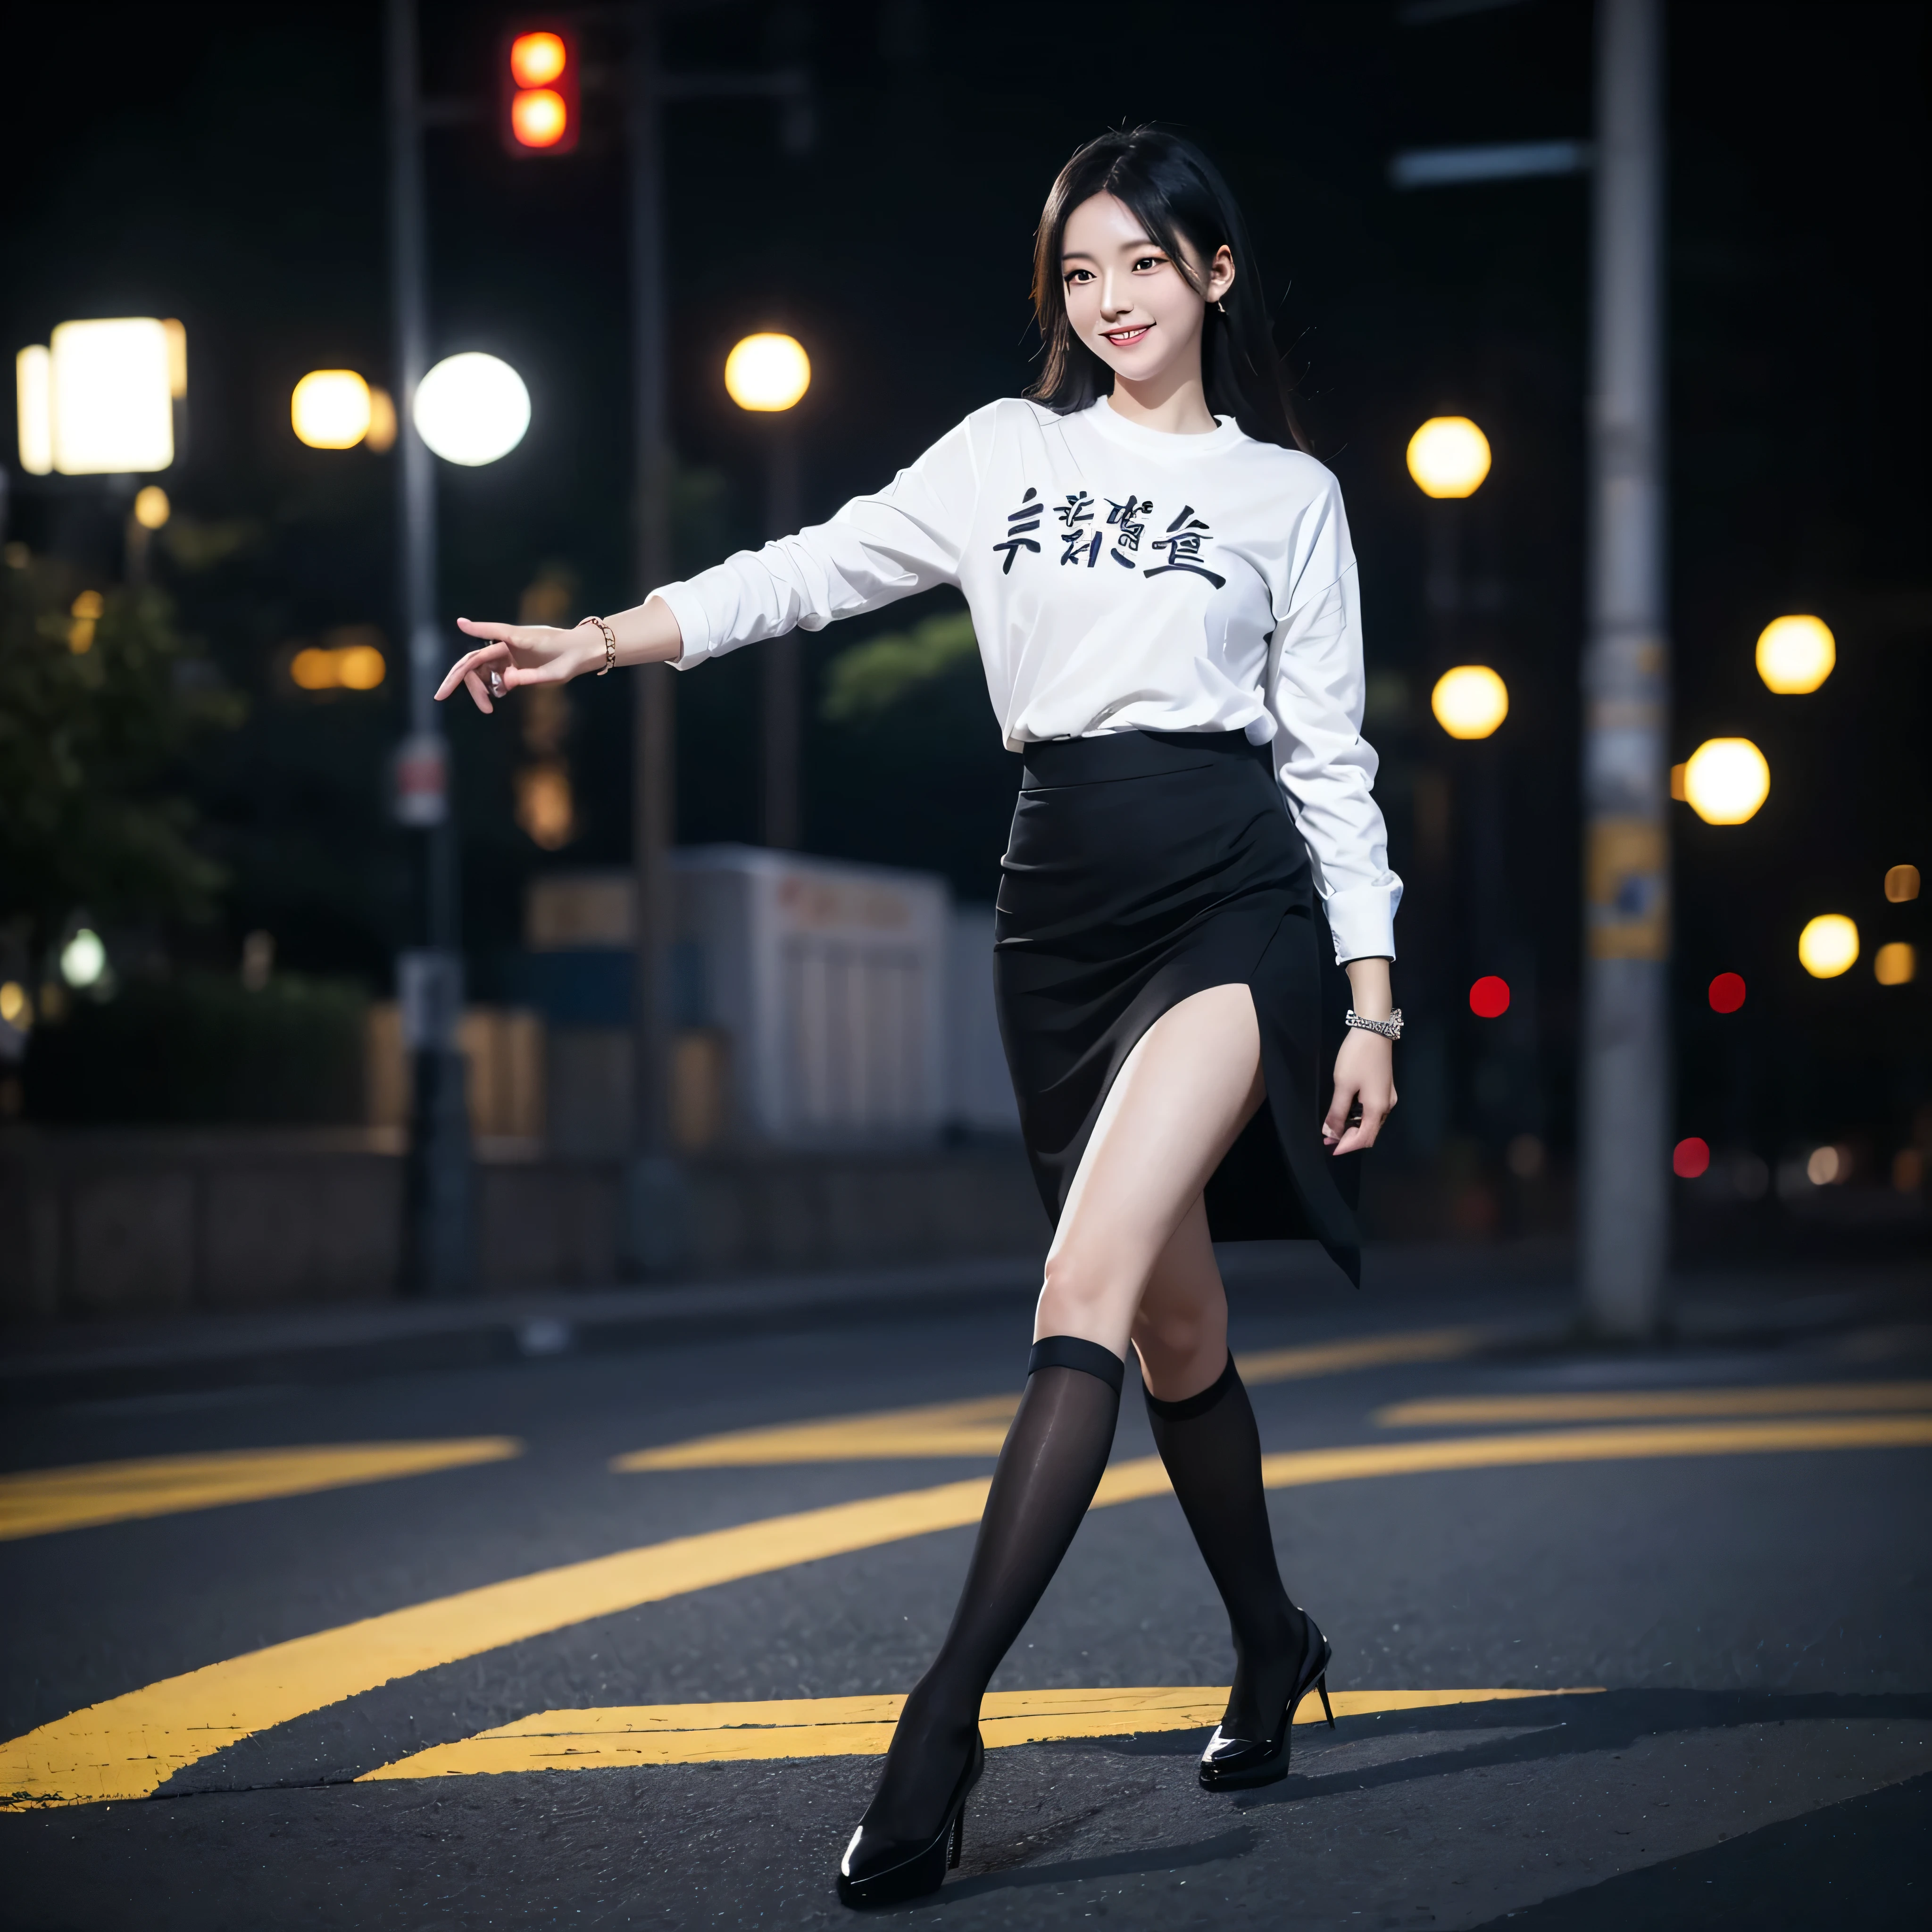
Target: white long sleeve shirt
(1118,577)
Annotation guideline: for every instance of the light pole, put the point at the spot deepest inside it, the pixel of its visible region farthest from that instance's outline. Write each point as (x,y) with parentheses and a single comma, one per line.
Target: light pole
(469,409)
(767,374)
(1625,1114)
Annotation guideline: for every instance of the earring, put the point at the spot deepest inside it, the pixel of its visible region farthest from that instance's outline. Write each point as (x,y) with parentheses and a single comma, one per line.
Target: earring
(1222,306)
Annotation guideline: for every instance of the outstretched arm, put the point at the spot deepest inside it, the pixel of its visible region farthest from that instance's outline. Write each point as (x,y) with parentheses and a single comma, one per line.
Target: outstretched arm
(514,655)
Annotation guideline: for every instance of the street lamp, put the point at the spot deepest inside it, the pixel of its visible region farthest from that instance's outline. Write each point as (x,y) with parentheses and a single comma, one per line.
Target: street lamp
(1829,946)
(331,408)
(1469,701)
(1795,654)
(1725,780)
(1448,456)
(471,409)
(766,374)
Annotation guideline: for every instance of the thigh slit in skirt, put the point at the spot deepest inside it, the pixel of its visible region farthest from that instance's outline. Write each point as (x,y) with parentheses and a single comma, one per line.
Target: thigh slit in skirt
(1145,867)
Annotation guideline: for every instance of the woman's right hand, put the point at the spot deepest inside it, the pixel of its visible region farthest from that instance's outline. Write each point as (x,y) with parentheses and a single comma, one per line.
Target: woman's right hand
(520,654)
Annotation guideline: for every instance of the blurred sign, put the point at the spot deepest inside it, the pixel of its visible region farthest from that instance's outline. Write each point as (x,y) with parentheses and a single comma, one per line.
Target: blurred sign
(429,993)
(420,776)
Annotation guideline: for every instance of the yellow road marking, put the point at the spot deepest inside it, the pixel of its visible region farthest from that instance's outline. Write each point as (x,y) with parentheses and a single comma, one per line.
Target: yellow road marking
(978,1427)
(129,1746)
(1365,1351)
(858,1727)
(1632,1404)
(34,1502)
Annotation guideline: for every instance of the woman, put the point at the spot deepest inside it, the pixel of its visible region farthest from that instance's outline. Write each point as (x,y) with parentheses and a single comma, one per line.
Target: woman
(1164,598)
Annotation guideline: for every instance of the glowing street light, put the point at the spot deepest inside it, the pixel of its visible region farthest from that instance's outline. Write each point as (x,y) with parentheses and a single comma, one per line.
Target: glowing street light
(472,409)
(1896,964)
(1449,456)
(34,408)
(1829,946)
(331,409)
(767,372)
(151,507)
(1470,701)
(1795,654)
(1725,780)
(83,959)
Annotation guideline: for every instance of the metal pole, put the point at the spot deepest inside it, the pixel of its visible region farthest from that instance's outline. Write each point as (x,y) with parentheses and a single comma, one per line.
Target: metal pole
(1626,1069)
(783,816)
(438,1252)
(654,1232)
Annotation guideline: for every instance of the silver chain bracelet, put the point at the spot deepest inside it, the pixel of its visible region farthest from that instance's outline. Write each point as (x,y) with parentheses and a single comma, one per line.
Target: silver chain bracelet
(1389,1028)
(610,642)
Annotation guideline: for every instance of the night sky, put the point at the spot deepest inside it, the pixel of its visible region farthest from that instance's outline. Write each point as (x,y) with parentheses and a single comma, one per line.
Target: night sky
(226,165)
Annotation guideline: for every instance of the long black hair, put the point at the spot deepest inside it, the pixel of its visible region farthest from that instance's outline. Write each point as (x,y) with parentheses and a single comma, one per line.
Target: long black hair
(1178,194)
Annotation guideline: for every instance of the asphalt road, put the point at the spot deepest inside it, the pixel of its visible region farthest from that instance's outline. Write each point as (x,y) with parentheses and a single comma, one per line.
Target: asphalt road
(1708,1564)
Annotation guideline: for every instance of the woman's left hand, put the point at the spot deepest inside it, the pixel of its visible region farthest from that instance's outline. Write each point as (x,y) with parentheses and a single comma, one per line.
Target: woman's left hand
(1364,1092)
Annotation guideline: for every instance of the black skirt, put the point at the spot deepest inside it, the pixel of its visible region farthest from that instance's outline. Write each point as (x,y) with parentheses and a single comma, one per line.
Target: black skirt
(1144,867)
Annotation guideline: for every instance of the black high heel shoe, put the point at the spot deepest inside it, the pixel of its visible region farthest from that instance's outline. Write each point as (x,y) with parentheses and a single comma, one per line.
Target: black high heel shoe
(877,1870)
(1239,1764)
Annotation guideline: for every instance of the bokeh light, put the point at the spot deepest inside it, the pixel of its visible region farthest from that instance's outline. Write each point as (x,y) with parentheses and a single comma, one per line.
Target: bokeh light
(345,667)
(1901,884)
(83,959)
(112,397)
(1795,654)
(1725,780)
(1448,456)
(151,507)
(537,59)
(1727,992)
(767,372)
(538,119)
(15,1008)
(1490,998)
(1469,701)
(1829,946)
(1690,1158)
(1826,1165)
(472,409)
(1896,964)
(330,409)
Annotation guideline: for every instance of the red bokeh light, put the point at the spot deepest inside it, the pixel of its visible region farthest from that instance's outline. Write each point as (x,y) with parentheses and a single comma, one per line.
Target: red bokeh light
(537,59)
(1690,1158)
(1727,993)
(1489,997)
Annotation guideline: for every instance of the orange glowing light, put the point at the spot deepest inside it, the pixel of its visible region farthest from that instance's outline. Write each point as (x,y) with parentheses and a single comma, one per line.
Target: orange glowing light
(538,119)
(537,59)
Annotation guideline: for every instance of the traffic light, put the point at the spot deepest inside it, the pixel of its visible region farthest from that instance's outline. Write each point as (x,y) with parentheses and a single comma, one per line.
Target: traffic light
(540,95)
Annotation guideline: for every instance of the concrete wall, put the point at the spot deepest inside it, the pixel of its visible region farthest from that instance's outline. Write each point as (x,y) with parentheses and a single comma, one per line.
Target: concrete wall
(124,1223)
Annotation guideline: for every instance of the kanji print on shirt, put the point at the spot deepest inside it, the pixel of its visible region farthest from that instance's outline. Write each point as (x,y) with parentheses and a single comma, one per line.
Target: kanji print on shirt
(1076,513)
(1182,543)
(1082,536)
(1017,527)
(1122,516)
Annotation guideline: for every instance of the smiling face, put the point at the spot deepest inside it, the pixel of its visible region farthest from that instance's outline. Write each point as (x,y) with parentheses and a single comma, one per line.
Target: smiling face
(1127,299)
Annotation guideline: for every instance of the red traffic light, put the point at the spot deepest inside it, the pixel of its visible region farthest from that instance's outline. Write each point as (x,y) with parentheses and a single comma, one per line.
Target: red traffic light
(540,98)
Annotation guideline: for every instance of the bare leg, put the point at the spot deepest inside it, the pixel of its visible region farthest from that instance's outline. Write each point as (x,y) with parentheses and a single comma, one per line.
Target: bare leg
(1190,1084)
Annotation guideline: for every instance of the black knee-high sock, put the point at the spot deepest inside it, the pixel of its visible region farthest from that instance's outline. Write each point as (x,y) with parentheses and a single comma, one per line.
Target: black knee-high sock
(1054,1457)
(1213,1452)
